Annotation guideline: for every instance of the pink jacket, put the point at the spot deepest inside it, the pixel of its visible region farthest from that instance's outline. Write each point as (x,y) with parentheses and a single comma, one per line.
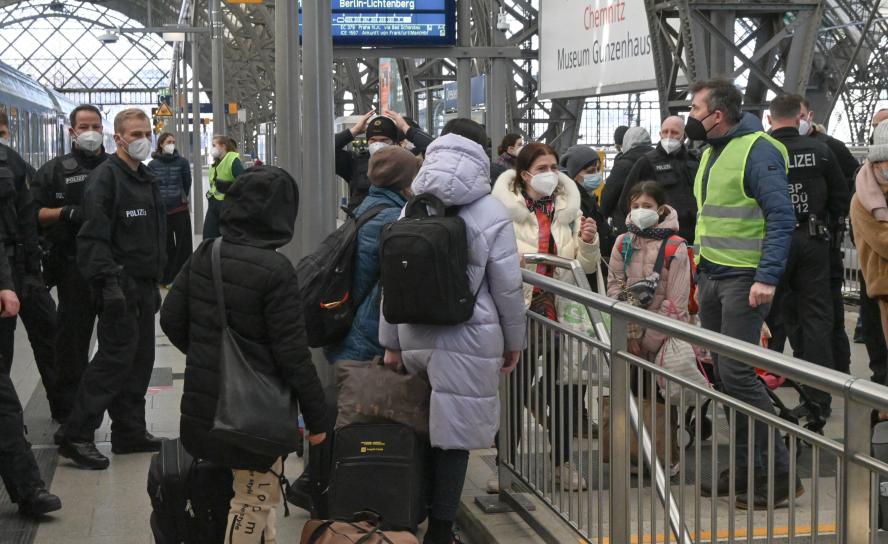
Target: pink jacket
(675,280)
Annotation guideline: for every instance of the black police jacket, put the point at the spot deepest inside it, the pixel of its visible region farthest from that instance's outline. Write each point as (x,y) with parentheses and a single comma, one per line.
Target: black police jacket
(613,186)
(125,223)
(817,185)
(60,183)
(675,174)
(18,213)
(847,162)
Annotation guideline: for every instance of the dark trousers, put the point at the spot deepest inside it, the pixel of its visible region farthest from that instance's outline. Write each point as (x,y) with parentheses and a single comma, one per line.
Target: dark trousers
(117,378)
(18,468)
(76,319)
(38,314)
(810,305)
(873,336)
(211,219)
(179,244)
(545,398)
(448,477)
(724,308)
(841,346)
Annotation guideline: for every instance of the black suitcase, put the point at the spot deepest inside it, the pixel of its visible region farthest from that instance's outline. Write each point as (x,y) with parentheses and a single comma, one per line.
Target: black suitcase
(189,498)
(381,468)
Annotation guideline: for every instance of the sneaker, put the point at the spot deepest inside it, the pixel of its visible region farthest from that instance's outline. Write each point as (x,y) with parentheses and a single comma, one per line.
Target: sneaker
(493,487)
(569,478)
(782,494)
(39,503)
(84,454)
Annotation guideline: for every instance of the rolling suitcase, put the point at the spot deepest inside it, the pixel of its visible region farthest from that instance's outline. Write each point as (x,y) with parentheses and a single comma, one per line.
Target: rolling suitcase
(189,498)
(381,468)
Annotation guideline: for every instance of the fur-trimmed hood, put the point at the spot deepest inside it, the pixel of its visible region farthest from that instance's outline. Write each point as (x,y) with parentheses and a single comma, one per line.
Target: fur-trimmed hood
(567,198)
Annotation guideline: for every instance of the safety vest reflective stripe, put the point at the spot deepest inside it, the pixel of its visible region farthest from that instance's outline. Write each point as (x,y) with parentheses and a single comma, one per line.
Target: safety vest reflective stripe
(221,172)
(730,212)
(741,244)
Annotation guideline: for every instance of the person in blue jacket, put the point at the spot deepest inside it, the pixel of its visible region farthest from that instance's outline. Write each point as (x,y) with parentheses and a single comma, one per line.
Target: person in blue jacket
(744,230)
(391,171)
(173,174)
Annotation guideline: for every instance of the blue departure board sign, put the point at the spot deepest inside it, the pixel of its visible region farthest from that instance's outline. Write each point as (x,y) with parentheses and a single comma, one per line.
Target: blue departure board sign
(393,22)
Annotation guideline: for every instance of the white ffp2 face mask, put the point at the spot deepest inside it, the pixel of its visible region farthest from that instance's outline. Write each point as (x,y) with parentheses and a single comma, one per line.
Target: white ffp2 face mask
(376,146)
(544,183)
(5,141)
(89,140)
(644,218)
(217,152)
(139,149)
(670,145)
(804,127)
(169,149)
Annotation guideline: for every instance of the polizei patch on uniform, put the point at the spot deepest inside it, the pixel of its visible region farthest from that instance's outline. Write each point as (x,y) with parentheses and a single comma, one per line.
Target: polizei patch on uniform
(75,179)
(663,167)
(136,213)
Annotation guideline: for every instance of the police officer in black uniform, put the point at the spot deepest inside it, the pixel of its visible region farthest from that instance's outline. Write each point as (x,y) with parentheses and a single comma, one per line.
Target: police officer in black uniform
(818,190)
(58,192)
(389,129)
(121,253)
(849,165)
(674,169)
(21,243)
(18,468)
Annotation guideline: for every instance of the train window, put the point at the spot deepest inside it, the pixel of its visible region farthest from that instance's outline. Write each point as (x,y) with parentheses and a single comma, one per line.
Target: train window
(38,157)
(25,149)
(13,128)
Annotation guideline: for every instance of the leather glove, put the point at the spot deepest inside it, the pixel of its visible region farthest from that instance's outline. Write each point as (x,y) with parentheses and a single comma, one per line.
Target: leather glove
(32,284)
(72,214)
(112,300)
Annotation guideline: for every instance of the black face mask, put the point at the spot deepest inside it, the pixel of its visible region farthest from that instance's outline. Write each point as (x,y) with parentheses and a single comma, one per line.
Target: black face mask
(695,130)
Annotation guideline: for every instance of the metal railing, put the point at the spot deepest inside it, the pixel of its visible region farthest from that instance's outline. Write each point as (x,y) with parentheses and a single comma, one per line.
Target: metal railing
(570,368)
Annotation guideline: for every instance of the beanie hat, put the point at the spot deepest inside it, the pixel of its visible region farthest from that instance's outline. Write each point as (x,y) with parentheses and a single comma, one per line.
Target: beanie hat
(382,126)
(393,167)
(619,133)
(635,137)
(878,151)
(578,158)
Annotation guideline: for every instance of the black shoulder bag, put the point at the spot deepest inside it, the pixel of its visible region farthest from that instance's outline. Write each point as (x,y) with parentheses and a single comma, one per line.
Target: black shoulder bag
(256,410)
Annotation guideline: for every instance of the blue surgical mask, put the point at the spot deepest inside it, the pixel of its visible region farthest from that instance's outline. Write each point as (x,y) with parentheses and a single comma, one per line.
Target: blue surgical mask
(592,181)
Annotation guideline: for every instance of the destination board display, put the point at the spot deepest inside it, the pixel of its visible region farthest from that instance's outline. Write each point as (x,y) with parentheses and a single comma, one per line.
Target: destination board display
(393,22)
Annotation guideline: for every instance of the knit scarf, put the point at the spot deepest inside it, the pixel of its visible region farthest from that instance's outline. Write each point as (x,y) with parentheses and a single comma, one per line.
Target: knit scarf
(543,303)
(871,190)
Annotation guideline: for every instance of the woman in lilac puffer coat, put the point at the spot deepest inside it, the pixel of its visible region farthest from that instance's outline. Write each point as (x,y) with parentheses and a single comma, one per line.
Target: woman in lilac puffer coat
(464,361)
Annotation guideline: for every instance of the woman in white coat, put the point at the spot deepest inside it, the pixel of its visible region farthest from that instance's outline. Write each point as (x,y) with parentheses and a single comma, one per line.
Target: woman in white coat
(545,208)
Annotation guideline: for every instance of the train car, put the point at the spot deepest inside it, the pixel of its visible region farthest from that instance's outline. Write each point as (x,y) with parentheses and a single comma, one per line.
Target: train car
(37,120)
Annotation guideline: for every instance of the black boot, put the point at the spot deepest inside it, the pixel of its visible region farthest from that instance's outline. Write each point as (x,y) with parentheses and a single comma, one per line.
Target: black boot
(439,532)
(84,454)
(38,503)
(145,443)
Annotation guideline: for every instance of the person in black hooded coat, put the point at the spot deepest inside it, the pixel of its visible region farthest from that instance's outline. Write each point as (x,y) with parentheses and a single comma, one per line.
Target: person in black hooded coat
(263,304)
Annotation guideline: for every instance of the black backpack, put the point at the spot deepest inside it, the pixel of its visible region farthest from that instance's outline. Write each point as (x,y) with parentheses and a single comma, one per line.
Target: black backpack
(423,266)
(325,280)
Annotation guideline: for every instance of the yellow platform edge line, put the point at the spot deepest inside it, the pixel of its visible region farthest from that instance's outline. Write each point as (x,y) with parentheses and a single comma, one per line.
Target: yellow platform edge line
(706,536)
